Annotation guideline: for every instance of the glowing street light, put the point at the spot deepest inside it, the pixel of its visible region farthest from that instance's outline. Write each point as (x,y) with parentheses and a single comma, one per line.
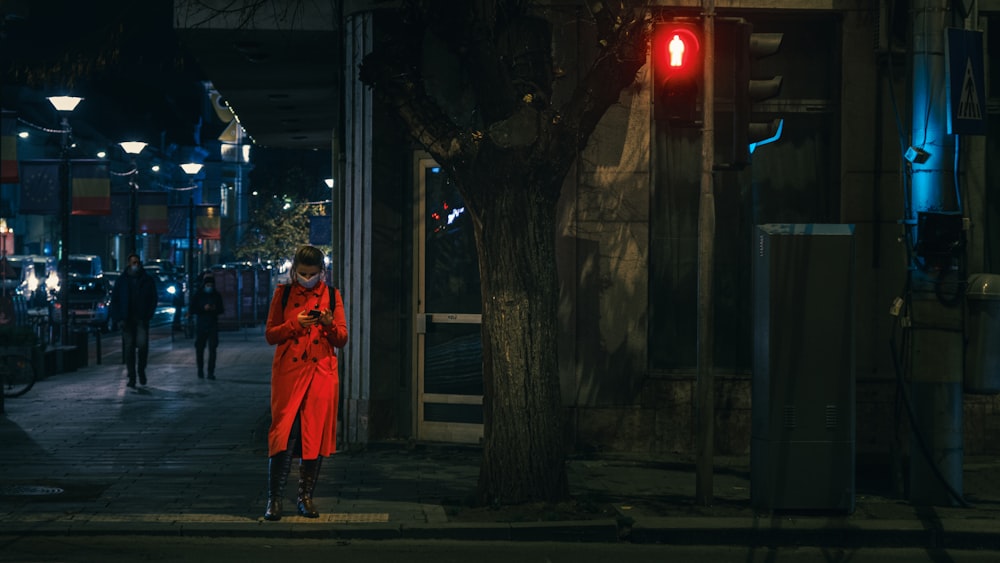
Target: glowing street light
(64,105)
(133,148)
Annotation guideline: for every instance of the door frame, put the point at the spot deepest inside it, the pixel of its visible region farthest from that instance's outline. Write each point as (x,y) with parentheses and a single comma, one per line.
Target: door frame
(432,431)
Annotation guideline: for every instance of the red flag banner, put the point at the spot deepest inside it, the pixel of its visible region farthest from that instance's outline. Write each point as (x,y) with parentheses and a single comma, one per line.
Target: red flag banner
(91,188)
(8,149)
(39,187)
(208,222)
(152,209)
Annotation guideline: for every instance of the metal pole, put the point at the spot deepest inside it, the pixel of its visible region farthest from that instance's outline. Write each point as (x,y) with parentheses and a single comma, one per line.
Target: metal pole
(190,263)
(936,335)
(66,198)
(133,212)
(706,256)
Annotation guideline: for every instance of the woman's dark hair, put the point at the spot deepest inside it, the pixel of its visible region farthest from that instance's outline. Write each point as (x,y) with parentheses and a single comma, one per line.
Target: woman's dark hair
(308,256)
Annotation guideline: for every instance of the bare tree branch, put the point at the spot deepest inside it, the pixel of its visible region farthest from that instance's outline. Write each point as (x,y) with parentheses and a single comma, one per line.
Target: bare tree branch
(623,38)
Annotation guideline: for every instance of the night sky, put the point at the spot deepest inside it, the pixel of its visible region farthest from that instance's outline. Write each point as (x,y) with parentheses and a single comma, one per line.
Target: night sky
(121,56)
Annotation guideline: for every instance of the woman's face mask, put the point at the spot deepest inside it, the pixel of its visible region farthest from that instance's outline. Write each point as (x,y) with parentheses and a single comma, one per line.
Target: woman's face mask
(305,282)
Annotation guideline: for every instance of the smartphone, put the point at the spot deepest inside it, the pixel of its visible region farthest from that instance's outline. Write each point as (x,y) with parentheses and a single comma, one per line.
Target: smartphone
(314,313)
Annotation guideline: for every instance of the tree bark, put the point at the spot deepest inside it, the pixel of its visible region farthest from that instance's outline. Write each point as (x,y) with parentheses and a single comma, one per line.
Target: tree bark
(510,166)
(523,453)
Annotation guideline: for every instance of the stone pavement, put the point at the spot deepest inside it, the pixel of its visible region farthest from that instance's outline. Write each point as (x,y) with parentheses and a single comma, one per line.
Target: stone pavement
(82,454)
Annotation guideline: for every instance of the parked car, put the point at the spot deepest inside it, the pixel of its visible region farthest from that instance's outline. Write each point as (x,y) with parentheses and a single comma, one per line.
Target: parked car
(170,289)
(38,278)
(166,265)
(88,301)
(85,265)
(17,275)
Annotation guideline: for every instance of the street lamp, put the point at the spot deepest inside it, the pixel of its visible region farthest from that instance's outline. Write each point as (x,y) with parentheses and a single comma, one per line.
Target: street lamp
(191,168)
(133,148)
(64,105)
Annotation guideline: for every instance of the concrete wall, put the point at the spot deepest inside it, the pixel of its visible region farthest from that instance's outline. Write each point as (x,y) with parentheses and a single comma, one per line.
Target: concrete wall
(614,401)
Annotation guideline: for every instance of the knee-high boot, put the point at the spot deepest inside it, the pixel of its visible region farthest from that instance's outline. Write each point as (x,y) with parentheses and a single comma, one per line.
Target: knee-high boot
(308,474)
(278,466)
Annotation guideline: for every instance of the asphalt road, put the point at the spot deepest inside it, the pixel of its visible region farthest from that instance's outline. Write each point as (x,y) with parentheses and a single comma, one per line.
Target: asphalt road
(113,549)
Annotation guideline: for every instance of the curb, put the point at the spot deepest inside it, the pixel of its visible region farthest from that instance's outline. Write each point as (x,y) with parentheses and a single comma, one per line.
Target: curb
(833,532)
(669,531)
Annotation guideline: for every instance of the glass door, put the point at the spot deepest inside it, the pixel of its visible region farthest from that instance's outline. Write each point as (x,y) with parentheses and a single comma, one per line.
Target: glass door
(449,359)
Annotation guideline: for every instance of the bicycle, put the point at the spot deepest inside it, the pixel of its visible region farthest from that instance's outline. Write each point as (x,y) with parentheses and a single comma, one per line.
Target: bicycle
(16,374)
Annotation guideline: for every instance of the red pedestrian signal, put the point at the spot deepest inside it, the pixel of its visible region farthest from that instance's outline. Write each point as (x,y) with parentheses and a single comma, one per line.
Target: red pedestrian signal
(677,72)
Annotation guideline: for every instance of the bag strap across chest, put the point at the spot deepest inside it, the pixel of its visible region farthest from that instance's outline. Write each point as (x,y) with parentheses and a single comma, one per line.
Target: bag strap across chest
(287,289)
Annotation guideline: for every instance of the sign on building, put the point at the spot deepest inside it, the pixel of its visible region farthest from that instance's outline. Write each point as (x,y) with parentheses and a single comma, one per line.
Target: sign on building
(966,82)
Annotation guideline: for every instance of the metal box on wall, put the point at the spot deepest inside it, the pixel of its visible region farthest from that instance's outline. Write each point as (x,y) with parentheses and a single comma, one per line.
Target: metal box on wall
(803,392)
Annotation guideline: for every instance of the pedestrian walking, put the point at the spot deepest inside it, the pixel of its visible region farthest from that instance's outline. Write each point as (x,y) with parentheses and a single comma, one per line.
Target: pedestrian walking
(306,321)
(206,306)
(133,304)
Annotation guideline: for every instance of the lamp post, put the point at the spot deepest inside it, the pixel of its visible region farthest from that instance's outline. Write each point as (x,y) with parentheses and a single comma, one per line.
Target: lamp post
(133,148)
(191,169)
(64,105)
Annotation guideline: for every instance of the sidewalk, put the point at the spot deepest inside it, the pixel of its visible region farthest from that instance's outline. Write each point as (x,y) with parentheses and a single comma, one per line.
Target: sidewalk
(82,454)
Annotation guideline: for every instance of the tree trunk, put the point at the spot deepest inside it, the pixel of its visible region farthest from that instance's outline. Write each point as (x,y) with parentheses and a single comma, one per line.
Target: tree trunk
(523,455)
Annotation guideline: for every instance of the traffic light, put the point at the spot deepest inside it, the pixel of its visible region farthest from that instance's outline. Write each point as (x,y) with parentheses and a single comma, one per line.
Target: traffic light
(750,89)
(677,72)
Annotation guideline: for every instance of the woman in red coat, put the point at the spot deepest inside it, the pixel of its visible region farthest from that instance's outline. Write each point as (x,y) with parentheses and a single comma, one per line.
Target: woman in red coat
(307,327)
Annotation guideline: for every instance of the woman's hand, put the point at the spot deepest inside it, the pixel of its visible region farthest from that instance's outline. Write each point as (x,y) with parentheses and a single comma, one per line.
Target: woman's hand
(306,319)
(326,317)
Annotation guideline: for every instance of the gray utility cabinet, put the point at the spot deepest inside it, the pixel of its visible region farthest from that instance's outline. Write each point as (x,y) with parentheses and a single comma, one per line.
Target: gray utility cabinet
(803,428)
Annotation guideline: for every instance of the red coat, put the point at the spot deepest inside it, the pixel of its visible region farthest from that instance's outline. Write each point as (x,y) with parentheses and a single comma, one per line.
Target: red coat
(304,376)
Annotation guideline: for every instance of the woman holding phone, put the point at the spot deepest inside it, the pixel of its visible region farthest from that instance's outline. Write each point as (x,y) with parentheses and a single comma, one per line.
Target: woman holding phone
(306,321)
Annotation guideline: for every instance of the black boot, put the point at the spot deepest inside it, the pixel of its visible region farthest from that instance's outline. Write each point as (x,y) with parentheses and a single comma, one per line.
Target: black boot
(308,474)
(199,358)
(278,466)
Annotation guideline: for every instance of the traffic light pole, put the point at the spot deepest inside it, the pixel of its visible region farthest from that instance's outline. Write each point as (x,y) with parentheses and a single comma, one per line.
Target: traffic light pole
(704,390)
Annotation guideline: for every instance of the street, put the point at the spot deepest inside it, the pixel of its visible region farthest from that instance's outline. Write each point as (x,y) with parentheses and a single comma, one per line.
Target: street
(111,549)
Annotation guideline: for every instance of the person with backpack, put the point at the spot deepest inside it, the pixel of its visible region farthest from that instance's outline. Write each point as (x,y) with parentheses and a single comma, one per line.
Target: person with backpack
(306,322)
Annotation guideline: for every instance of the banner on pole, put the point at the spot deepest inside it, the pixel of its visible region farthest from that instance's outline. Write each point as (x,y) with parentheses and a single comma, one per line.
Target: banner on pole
(8,149)
(117,221)
(177,217)
(152,210)
(320,230)
(209,223)
(91,188)
(39,187)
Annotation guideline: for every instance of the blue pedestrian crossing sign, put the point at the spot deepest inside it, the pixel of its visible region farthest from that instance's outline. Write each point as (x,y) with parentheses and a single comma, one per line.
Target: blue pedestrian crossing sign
(966,82)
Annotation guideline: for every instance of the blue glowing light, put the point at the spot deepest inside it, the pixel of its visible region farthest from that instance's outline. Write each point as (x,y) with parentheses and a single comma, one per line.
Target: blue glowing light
(777,135)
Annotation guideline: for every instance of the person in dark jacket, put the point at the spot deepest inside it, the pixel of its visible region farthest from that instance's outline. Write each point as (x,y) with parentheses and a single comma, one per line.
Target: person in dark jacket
(206,306)
(133,304)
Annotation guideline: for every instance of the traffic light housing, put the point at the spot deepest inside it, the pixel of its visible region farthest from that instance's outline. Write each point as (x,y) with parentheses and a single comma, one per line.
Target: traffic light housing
(749,89)
(677,72)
